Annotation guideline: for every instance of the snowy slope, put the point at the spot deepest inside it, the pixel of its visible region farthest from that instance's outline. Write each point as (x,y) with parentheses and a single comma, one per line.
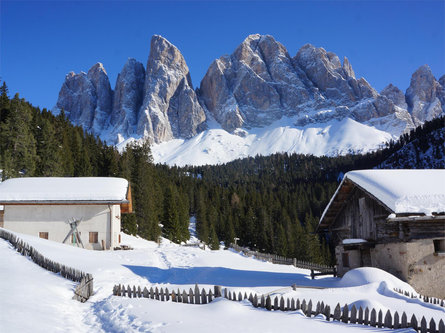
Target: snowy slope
(217,146)
(45,298)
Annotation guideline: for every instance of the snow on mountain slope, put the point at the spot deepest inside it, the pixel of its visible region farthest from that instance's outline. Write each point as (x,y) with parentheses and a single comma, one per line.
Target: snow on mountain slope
(45,300)
(217,146)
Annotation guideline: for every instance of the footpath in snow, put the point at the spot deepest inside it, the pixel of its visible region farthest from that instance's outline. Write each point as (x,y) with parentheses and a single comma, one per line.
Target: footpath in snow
(44,298)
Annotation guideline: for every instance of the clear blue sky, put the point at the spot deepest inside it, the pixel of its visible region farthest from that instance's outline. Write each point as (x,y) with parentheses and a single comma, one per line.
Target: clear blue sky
(41,41)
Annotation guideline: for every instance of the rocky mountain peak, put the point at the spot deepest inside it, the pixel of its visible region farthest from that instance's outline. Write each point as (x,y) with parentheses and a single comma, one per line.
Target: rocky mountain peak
(347,68)
(425,96)
(395,95)
(170,107)
(128,96)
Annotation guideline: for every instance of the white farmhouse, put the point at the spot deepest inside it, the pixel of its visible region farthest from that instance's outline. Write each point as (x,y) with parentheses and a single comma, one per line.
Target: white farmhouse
(83,212)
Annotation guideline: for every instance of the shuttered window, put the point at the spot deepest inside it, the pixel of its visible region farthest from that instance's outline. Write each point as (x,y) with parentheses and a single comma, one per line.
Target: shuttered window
(94,237)
(43,235)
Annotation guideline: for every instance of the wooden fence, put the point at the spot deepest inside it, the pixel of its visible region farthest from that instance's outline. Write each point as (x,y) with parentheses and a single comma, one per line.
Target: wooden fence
(426,299)
(347,315)
(83,291)
(192,296)
(276,259)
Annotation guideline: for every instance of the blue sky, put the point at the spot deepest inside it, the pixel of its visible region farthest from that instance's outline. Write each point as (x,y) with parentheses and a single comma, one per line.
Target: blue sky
(41,41)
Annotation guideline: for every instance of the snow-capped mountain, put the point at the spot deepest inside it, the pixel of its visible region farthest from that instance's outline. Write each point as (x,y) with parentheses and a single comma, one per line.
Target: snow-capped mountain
(258,100)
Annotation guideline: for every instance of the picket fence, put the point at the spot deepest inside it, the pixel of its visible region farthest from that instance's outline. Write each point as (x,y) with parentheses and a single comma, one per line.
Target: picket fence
(276,259)
(347,315)
(426,299)
(192,296)
(85,288)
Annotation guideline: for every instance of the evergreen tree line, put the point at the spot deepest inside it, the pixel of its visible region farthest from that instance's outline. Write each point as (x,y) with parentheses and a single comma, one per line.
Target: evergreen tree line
(271,203)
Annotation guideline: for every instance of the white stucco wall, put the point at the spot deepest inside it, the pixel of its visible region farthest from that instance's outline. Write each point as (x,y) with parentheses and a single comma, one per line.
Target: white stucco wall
(32,219)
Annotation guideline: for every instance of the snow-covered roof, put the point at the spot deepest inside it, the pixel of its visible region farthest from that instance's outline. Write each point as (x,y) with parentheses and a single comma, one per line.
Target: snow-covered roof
(404,191)
(401,191)
(63,189)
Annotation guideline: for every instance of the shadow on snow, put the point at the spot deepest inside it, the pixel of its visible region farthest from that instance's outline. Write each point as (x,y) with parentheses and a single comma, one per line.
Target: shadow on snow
(221,276)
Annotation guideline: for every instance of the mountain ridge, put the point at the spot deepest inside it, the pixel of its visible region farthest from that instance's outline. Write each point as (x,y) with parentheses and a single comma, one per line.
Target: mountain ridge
(255,87)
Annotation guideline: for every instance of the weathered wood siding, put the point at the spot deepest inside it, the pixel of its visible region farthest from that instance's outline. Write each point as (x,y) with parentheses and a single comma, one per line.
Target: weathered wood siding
(359,217)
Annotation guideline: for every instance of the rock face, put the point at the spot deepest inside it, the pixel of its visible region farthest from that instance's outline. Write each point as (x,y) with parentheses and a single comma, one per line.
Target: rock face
(395,95)
(170,108)
(128,96)
(159,103)
(86,98)
(258,84)
(254,86)
(425,96)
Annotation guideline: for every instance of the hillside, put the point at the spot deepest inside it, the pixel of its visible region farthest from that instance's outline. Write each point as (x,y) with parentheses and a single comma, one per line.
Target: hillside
(272,203)
(45,298)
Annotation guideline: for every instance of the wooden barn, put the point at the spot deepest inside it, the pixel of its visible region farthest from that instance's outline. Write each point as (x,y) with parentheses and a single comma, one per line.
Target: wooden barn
(393,220)
(84,212)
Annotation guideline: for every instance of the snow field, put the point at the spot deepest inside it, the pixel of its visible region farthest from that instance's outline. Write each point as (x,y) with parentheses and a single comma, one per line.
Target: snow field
(172,266)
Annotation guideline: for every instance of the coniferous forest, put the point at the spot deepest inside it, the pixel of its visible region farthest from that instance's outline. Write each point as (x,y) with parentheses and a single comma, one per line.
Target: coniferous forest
(271,203)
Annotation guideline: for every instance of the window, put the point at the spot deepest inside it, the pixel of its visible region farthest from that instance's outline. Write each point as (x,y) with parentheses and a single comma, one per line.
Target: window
(345,259)
(94,237)
(439,246)
(43,235)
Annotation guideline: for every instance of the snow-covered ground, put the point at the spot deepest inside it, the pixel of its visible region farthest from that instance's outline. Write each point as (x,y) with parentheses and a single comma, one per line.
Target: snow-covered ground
(32,299)
(217,146)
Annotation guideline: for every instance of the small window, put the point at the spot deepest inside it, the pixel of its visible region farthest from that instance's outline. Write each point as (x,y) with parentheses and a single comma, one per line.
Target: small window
(43,235)
(94,237)
(439,246)
(345,259)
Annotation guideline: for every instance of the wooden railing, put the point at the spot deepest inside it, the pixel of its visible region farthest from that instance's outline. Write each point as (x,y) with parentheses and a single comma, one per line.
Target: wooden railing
(83,291)
(316,269)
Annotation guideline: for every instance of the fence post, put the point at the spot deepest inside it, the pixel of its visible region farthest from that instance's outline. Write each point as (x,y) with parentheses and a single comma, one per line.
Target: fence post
(218,291)
(197,295)
(396,321)
(353,319)
(191,297)
(327,312)
(404,321)
(380,319)
(275,303)
(413,322)
(432,325)
(255,301)
(268,303)
(366,319)
(203,296)
(388,320)
(309,309)
(184,297)
(345,314)
(337,312)
(423,328)
(373,321)
(360,316)
(292,305)
(441,326)
(282,306)
(161,293)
